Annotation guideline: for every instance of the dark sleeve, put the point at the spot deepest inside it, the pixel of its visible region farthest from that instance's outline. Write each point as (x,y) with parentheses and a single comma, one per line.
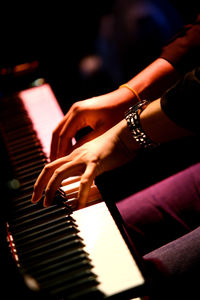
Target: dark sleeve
(181,103)
(183,51)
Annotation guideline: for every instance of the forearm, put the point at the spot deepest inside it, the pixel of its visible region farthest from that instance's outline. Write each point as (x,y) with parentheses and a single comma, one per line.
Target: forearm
(155,79)
(156,125)
(150,84)
(103,112)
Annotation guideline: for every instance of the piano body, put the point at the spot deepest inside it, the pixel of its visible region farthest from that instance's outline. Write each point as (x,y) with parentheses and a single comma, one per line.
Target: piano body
(59,252)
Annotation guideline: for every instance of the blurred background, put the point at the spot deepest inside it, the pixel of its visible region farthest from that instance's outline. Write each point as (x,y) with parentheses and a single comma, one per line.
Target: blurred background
(85,48)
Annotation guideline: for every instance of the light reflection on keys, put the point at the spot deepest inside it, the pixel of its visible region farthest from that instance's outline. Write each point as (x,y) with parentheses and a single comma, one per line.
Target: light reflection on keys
(36,100)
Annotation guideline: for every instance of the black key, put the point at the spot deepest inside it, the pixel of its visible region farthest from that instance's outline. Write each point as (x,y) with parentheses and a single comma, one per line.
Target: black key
(71,283)
(64,269)
(47,245)
(32,174)
(19,211)
(27,183)
(27,221)
(19,199)
(25,171)
(25,149)
(70,247)
(46,238)
(42,270)
(25,154)
(30,164)
(42,230)
(29,138)
(35,157)
(38,227)
(17,146)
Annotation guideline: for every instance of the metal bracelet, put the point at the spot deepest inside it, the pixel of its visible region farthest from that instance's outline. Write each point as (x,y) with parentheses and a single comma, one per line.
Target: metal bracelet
(132,117)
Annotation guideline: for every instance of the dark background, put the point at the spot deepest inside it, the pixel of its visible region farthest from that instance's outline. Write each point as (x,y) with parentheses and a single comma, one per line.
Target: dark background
(59,34)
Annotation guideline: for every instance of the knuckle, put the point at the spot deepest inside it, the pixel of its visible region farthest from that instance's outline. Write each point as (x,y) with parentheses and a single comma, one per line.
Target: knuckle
(76,106)
(54,133)
(47,167)
(47,191)
(56,174)
(35,187)
(84,181)
(61,136)
(55,130)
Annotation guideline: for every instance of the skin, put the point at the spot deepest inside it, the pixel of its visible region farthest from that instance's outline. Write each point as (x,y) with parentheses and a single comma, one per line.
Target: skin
(111,149)
(103,112)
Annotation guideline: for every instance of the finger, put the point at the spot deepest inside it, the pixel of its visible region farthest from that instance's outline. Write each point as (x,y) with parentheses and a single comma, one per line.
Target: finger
(85,184)
(55,139)
(44,177)
(65,171)
(72,125)
(68,118)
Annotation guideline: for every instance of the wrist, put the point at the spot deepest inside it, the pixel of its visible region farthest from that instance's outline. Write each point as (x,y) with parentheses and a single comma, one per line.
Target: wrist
(132,90)
(154,80)
(126,139)
(132,117)
(124,96)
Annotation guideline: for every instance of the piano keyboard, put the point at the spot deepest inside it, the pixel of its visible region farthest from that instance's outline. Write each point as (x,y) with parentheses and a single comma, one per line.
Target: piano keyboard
(63,253)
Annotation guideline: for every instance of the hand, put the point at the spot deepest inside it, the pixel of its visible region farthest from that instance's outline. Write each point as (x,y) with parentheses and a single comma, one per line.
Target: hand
(106,152)
(103,112)
(99,113)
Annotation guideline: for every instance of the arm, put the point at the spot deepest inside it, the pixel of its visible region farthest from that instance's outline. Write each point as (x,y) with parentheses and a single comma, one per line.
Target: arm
(154,80)
(110,150)
(103,112)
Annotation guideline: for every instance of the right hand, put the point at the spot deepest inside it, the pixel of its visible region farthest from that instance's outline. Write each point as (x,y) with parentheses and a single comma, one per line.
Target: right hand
(100,113)
(110,150)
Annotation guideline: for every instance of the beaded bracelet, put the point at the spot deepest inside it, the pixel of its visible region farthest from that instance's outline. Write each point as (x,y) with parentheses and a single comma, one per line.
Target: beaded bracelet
(132,117)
